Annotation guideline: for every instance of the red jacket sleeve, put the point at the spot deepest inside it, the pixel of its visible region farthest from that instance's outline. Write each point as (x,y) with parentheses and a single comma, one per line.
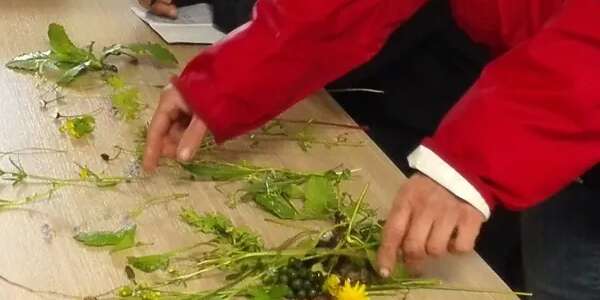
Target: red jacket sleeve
(290,49)
(531,123)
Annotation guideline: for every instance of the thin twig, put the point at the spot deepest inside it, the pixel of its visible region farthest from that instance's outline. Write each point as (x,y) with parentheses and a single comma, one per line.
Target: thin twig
(324,123)
(34,291)
(356,90)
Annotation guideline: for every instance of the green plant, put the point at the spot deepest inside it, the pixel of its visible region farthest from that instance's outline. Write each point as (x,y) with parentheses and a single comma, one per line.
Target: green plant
(125,99)
(283,193)
(18,175)
(78,127)
(71,61)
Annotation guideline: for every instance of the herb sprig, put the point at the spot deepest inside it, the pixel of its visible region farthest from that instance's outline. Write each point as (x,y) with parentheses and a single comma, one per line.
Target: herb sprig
(71,61)
(283,193)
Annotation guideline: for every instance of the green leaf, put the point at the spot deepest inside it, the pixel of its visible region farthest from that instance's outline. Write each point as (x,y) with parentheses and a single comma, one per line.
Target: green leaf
(320,197)
(223,229)
(276,292)
(29,62)
(63,49)
(125,99)
(69,75)
(294,191)
(116,49)
(116,82)
(208,170)
(126,242)
(276,205)
(156,51)
(120,239)
(127,103)
(78,127)
(150,263)
(208,223)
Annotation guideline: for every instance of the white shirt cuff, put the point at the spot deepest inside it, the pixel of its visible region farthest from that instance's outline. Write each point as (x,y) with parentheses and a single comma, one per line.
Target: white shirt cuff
(430,164)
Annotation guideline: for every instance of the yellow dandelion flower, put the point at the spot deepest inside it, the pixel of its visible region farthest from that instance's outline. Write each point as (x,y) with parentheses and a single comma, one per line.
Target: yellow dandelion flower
(349,292)
(332,284)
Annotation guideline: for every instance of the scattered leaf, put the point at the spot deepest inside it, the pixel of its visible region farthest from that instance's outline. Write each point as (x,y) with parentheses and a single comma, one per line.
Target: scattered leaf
(121,239)
(125,99)
(218,171)
(78,127)
(156,51)
(221,227)
(276,292)
(150,263)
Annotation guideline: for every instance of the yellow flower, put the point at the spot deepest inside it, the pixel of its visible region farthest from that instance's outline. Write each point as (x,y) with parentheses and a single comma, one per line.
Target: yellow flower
(332,284)
(349,292)
(84,173)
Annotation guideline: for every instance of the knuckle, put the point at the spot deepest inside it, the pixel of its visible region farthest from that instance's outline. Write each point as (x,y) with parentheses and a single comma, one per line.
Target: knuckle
(395,229)
(464,247)
(413,250)
(436,250)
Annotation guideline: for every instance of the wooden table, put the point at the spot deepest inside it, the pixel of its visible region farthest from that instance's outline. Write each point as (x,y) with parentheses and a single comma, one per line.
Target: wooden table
(37,248)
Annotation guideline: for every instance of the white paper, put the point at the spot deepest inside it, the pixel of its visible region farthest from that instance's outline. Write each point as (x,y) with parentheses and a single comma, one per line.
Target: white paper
(193,24)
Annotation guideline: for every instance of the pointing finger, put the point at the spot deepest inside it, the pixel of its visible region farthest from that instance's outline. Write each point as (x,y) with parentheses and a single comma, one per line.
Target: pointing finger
(393,234)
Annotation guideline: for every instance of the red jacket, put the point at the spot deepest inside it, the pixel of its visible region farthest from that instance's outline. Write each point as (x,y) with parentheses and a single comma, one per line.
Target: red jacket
(528,127)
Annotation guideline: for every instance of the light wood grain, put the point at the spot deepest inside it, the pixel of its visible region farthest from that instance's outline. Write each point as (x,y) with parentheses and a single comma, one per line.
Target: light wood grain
(36,245)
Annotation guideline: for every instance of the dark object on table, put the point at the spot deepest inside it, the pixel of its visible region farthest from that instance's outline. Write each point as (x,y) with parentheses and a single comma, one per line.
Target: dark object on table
(227,14)
(230,14)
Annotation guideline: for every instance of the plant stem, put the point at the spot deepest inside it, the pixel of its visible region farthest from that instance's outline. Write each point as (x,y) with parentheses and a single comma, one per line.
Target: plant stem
(266,137)
(359,203)
(311,121)
(155,201)
(432,285)
(31,151)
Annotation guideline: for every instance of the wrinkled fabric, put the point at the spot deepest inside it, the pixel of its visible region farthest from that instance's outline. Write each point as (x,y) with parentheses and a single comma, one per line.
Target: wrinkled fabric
(527,128)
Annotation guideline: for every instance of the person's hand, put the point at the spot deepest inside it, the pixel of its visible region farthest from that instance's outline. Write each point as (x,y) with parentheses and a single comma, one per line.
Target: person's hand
(163,8)
(174,131)
(426,220)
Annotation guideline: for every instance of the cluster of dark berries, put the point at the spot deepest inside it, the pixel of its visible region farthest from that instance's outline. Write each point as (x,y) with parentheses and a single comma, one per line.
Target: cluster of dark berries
(303,283)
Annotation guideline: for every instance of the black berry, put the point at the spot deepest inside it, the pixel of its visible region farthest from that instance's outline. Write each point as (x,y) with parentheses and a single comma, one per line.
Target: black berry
(301,294)
(295,263)
(296,284)
(293,274)
(283,278)
(307,284)
(304,273)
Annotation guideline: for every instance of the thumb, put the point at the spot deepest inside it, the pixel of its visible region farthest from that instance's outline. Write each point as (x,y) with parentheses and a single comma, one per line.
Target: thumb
(191,139)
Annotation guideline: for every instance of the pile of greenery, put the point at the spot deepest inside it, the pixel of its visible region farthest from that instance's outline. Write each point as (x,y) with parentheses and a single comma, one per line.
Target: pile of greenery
(336,261)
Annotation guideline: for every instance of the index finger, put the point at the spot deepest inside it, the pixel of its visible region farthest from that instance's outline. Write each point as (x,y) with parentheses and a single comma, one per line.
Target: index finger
(157,131)
(159,127)
(393,234)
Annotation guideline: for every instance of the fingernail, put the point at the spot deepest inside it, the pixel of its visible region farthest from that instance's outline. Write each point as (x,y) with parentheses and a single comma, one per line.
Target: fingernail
(185,154)
(384,272)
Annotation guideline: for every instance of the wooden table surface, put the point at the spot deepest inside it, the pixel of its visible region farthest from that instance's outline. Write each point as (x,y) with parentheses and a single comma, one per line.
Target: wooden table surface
(37,250)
